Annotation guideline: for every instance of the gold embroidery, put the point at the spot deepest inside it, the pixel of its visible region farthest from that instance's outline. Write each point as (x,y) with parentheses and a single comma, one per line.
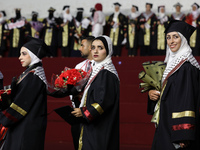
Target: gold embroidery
(48,36)
(33,32)
(147,35)
(131,36)
(18,109)
(183,114)
(98,108)
(161,37)
(15,37)
(65,36)
(81,139)
(193,39)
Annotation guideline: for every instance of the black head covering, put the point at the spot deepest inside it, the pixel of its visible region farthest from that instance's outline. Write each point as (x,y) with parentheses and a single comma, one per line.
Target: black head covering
(37,47)
(150,4)
(3,12)
(196,5)
(66,6)
(117,4)
(160,7)
(101,38)
(136,7)
(180,26)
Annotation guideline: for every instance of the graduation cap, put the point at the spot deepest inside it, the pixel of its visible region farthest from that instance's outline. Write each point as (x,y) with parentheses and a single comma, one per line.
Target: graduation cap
(17,9)
(80,9)
(51,9)
(92,9)
(150,4)
(178,4)
(117,4)
(37,47)
(34,13)
(135,7)
(180,26)
(196,5)
(65,113)
(160,7)
(66,6)
(3,12)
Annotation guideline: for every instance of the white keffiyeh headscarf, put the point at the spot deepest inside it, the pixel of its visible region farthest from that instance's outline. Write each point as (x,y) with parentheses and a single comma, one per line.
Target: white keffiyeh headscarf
(105,64)
(174,58)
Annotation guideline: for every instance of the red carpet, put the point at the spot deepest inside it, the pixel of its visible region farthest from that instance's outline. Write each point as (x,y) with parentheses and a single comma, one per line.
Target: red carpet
(136,131)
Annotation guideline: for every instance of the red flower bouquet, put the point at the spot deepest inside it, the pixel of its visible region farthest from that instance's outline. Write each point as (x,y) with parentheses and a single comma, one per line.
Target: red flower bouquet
(75,77)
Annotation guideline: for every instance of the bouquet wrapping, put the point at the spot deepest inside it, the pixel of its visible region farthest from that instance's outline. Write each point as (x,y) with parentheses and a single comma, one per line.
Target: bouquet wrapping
(74,77)
(152,75)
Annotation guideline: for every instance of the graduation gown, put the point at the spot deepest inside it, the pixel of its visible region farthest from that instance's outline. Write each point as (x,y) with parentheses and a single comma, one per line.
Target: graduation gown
(50,34)
(2,40)
(17,36)
(132,38)
(26,117)
(101,131)
(145,35)
(194,44)
(179,110)
(117,33)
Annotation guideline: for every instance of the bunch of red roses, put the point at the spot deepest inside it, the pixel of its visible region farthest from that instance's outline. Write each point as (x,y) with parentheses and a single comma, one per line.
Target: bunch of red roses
(69,76)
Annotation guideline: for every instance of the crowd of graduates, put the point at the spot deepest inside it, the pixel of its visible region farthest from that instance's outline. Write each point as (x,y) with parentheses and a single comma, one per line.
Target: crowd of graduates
(143,31)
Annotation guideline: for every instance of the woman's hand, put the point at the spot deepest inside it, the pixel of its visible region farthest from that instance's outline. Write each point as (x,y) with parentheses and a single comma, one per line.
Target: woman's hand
(77,112)
(154,95)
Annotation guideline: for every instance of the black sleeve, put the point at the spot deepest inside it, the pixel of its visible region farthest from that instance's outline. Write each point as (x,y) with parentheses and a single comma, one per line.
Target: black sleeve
(105,91)
(28,91)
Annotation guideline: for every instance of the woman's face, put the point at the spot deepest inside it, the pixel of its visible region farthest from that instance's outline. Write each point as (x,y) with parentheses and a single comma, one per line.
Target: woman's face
(24,57)
(173,41)
(98,51)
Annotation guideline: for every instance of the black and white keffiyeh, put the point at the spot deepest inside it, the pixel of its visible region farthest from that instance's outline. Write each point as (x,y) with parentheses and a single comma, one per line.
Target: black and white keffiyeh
(175,60)
(105,64)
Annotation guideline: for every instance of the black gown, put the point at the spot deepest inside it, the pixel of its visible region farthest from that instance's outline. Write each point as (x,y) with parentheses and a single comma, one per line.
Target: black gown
(179,110)
(117,36)
(26,117)
(101,131)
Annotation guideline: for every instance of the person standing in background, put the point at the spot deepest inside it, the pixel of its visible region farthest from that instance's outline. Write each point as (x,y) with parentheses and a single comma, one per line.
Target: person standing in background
(178,15)
(132,31)
(118,29)
(16,27)
(65,32)
(147,21)
(193,18)
(34,27)
(98,20)
(50,32)
(159,38)
(2,33)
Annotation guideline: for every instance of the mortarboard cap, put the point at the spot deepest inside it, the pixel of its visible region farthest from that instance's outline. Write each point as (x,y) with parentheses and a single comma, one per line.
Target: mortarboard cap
(135,7)
(37,47)
(80,9)
(196,5)
(17,9)
(150,4)
(3,12)
(92,9)
(117,4)
(66,6)
(180,26)
(34,13)
(178,4)
(160,7)
(65,113)
(51,9)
